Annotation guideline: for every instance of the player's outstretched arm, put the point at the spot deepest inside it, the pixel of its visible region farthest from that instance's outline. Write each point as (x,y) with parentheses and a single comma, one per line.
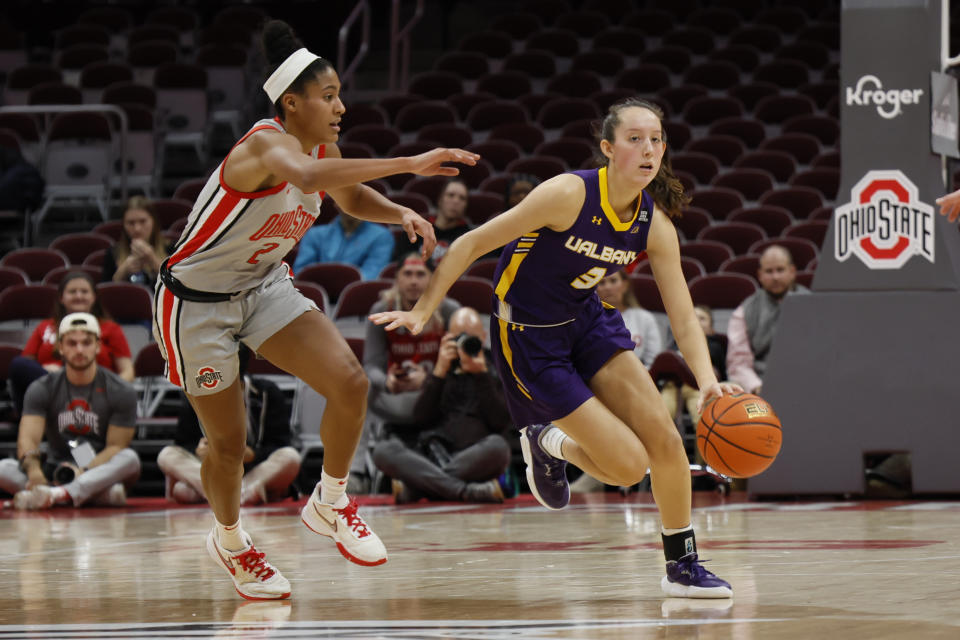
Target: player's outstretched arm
(365,203)
(272,153)
(950,205)
(554,204)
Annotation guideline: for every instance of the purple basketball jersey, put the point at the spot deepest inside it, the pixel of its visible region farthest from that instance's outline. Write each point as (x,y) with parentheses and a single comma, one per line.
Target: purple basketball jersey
(545,277)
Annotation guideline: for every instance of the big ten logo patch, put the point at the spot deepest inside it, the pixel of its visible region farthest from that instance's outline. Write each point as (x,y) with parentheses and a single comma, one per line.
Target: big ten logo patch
(209,378)
(885,223)
(756,409)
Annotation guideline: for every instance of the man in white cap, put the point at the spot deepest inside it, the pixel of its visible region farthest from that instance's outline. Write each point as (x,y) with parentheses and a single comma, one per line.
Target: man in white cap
(75,431)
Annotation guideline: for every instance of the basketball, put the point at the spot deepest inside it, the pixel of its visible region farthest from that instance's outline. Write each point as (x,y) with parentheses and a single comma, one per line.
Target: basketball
(739,435)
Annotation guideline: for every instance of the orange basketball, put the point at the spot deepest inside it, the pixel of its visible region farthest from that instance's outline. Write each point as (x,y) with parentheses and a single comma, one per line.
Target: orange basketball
(739,435)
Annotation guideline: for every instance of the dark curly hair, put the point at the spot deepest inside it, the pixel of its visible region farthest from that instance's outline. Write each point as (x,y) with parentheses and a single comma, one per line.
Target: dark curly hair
(279,41)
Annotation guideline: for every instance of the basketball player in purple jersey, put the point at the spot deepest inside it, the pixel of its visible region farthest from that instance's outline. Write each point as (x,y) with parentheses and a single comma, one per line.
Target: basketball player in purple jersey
(226,282)
(566,358)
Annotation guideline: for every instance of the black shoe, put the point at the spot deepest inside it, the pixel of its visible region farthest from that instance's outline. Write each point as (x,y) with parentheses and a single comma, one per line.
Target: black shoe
(489,491)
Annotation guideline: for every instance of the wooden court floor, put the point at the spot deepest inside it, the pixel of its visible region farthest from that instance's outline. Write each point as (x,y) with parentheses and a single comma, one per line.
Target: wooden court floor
(799,570)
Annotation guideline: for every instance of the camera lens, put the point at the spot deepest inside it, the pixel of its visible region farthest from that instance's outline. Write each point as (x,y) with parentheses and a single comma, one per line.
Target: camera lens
(471,345)
(64,474)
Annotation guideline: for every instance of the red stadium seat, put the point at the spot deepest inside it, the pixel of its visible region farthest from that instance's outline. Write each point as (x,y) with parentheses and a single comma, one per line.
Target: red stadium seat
(35,262)
(773,220)
(125,302)
(739,236)
(711,254)
(722,290)
(27,302)
(473,292)
(77,246)
(334,277)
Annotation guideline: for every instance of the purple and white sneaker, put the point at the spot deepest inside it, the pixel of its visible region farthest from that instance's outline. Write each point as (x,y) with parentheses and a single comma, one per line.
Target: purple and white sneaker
(546,475)
(686,578)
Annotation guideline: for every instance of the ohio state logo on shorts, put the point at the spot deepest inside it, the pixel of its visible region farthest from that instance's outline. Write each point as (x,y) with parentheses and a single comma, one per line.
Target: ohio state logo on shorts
(885,223)
(208,378)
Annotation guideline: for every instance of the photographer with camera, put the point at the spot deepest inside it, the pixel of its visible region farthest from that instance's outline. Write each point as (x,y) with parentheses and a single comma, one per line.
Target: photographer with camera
(76,429)
(457,449)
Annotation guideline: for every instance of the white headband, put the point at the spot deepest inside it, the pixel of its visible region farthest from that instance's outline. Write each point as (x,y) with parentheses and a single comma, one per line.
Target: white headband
(287,72)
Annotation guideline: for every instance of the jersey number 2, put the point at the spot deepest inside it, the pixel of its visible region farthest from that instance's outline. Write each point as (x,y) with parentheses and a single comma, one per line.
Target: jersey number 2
(589,279)
(267,248)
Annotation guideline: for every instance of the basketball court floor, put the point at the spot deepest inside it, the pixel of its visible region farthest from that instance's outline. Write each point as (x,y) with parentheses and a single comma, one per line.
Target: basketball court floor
(799,570)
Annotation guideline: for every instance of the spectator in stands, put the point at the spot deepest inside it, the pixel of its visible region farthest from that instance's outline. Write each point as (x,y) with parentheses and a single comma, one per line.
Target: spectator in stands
(270,462)
(21,189)
(450,221)
(717,346)
(77,292)
(366,245)
(517,189)
(76,429)
(398,363)
(754,323)
(137,255)
(614,289)
(455,449)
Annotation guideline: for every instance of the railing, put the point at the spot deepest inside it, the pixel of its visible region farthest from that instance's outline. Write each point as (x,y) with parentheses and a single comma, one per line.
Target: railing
(400,45)
(50,109)
(347,71)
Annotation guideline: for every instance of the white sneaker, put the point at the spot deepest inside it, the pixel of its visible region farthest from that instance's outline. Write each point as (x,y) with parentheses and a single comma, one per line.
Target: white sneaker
(253,577)
(355,540)
(115,496)
(40,497)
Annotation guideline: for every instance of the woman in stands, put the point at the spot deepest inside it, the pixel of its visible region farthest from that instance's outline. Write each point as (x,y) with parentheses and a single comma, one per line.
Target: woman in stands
(226,282)
(137,255)
(77,292)
(614,289)
(566,359)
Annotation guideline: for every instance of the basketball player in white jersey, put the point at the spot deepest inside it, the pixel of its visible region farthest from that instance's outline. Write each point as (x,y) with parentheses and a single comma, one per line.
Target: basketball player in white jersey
(225,282)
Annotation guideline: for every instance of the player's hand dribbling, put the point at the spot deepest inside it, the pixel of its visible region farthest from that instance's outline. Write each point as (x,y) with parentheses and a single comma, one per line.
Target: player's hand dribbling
(414,225)
(431,162)
(714,391)
(412,320)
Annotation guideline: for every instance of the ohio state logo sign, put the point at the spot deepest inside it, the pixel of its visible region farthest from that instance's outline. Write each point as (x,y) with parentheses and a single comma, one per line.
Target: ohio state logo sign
(884,224)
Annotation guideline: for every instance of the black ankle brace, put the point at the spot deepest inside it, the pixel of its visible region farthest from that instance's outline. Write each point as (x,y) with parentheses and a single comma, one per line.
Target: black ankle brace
(677,545)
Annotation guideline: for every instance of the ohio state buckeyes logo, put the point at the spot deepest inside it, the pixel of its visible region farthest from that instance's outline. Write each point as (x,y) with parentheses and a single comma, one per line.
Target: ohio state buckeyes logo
(78,418)
(208,378)
(885,223)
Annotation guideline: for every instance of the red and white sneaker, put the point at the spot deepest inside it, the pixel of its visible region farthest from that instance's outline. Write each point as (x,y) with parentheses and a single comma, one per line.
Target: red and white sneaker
(253,577)
(355,540)
(39,497)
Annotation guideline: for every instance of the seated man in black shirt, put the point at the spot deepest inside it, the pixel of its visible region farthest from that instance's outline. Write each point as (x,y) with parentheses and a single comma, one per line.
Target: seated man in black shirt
(456,448)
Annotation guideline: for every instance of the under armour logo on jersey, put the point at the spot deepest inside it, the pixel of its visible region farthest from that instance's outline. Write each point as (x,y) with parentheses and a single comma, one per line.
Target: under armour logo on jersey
(596,220)
(644,216)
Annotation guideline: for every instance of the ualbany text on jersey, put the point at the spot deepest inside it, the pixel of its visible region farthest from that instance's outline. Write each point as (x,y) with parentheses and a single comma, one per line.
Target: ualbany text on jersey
(606,254)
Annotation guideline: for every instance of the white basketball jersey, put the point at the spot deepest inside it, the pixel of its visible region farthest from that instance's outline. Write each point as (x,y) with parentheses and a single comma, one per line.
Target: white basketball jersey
(233,240)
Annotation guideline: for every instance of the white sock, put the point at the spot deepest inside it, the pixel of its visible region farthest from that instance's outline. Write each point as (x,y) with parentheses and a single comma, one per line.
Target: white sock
(552,441)
(231,536)
(333,491)
(670,532)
